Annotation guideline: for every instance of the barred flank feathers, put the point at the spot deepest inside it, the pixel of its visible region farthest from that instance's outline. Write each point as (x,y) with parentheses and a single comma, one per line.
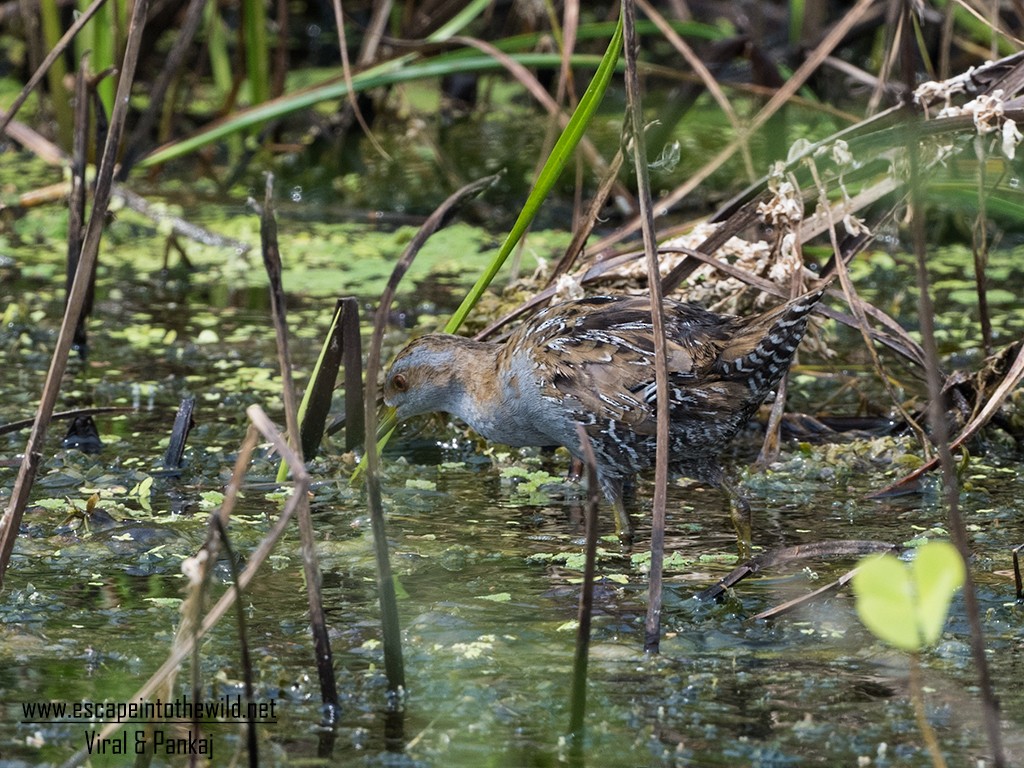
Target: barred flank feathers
(775,337)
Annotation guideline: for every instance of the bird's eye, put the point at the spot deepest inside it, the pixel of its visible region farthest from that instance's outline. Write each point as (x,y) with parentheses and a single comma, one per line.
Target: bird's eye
(400,383)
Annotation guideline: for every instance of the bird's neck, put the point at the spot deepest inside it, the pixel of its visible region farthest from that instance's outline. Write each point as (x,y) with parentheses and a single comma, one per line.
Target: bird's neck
(479,391)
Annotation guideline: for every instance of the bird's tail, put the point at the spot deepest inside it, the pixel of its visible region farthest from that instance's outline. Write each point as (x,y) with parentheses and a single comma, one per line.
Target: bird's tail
(764,347)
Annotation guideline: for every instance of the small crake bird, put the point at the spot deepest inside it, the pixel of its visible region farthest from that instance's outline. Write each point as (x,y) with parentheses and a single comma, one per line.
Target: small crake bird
(591,362)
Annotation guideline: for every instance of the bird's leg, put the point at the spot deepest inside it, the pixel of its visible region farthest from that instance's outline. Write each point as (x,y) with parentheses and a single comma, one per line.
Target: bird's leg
(742,518)
(623,525)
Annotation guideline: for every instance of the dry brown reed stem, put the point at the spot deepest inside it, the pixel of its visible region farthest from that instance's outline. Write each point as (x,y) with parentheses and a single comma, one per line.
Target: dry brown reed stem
(374,31)
(527,79)
(635,121)
(352,362)
(569,30)
(11,521)
(245,657)
(894,30)
(1018,580)
(980,249)
(698,67)
(346,72)
(940,433)
(76,201)
(184,644)
(310,564)
(781,96)
(58,50)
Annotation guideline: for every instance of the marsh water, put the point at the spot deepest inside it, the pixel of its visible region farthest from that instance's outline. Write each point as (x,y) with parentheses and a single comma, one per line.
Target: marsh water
(485,542)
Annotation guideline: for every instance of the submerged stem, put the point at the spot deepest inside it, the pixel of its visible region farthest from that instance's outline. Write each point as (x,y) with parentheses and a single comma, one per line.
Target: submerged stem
(917,697)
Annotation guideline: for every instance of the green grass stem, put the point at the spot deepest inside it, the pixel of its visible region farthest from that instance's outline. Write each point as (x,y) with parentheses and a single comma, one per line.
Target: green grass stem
(560,155)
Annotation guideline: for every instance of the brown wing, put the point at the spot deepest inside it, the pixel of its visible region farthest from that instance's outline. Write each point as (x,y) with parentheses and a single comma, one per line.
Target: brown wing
(597,356)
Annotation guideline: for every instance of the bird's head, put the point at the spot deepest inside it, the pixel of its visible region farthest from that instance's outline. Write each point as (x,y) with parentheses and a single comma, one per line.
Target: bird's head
(428,375)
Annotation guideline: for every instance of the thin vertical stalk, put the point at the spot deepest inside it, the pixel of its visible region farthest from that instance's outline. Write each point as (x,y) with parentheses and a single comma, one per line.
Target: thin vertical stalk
(310,563)
(980,250)
(245,657)
(578,703)
(77,197)
(352,361)
(257,60)
(940,433)
(11,520)
(635,121)
(346,71)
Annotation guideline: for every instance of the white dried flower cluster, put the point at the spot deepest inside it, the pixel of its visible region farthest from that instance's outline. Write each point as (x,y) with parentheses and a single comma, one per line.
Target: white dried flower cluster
(987,111)
(568,287)
(932,91)
(841,154)
(705,284)
(786,206)
(838,152)
(789,260)
(855,225)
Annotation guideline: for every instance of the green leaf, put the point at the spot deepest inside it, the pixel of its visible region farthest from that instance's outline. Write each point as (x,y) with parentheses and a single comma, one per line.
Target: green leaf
(498,597)
(885,601)
(907,606)
(938,572)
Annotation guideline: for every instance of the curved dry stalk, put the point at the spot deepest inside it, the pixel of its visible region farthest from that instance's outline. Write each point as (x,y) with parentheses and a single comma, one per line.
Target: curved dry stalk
(527,79)
(894,27)
(635,121)
(346,71)
(310,562)
(393,662)
(706,77)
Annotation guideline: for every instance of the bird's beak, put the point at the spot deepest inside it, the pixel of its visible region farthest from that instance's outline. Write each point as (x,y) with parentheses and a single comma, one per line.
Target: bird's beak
(387,422)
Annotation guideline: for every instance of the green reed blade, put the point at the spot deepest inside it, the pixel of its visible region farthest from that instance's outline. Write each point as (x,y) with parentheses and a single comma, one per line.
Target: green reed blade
(560,155)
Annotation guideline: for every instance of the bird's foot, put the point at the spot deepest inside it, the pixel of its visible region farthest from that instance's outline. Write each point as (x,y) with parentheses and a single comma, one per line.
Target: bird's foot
(742,520)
